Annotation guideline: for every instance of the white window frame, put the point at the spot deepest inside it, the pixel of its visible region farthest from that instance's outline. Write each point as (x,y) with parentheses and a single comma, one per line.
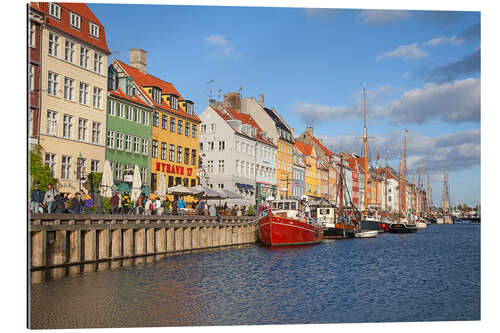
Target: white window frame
(82,129)
(119,141)
(51,122)
(112,107)
(121,110)
(97,62)
(69,50)
(94,165)
(31,77)
(53,48)
(66,164)
(50,161)
(84,57)
(144,175)
(144,148)
(55,10)
(97,97)
(128,142)
(137,145)
(32,35)
(69,88)
(94,29)
(53,82)
(75,20)
(84,93)
(129,113)
(67,126)
(137,115)
(96,132)
(110,139)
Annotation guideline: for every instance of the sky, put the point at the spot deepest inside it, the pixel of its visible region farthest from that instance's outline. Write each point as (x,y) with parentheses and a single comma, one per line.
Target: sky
(421,70)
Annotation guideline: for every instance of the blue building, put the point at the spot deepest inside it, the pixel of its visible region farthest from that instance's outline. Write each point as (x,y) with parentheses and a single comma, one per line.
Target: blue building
(298,174)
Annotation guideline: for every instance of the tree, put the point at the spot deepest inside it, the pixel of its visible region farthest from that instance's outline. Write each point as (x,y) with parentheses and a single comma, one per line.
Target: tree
(39,171)
(94,179)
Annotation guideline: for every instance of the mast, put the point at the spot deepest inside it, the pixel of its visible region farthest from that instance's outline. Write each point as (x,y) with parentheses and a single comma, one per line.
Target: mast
(400,201)
(404,175)
(428,194)
(365,143)
(385,183)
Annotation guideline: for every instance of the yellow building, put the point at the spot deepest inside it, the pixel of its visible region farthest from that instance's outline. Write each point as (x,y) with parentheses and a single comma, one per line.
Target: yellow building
(174,127)
(284,168)
(73,93)
(312,184)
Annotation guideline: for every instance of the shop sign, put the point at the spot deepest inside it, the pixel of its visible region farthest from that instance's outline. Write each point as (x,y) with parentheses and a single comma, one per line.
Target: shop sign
(176,169)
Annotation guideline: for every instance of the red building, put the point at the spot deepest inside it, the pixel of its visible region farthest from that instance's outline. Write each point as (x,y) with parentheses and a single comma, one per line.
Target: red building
(35,19)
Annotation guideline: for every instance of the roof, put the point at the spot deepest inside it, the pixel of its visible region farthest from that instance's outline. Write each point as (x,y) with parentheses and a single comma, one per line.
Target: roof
(135,99)
(248,119)
(63,24)
(320,145)
(280,124)
(147,80)
(304,148)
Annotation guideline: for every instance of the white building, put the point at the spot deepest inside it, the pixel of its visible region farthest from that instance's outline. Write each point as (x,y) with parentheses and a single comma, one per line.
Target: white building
(392,195)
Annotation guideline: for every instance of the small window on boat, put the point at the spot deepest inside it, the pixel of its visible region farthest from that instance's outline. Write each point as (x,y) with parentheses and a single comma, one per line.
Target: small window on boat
(274,205)
(293,205)
(280,205)
(287,205)
(328,211)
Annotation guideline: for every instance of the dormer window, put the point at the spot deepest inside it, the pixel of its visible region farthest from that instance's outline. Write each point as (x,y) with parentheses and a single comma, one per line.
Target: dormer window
(174,102)
(94,29)
(74,20)
(55,10)
(155,94)
(130,91)
(189,108)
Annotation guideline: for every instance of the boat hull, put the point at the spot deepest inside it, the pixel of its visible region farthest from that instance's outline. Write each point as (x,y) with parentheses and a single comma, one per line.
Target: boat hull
(380,226)
(401,228)
(339,231)
(276,230)
(367,234)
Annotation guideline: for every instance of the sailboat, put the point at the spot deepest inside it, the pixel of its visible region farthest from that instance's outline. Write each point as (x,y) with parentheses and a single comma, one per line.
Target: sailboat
(420,223)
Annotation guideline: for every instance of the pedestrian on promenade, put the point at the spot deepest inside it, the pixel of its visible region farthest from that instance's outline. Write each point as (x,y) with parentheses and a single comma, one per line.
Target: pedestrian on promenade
(125,202)
(148,207)
(59,204)
(37,198)
(75,204)
(82,200)
(65,200)
(114,202)
(201,205)
(50,198)
(88,203)
(181,205)
(158,206)
(98,203)
(140,204)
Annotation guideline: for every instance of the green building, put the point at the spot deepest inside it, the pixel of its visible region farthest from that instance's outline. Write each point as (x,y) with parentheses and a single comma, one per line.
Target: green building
(128,128)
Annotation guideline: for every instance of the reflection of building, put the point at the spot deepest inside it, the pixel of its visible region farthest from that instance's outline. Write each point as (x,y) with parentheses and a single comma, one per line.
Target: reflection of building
(36,19)
(128,125)
(174,126)
(73,92)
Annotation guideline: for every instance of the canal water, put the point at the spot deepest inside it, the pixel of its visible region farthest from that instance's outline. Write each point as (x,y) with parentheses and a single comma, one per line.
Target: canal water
(433,275)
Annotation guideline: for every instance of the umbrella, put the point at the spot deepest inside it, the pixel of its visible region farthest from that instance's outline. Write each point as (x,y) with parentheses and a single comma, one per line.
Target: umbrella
(197,190)
(210,194)
(107,180)
(179,190)
(230,194)
(162,186)
(136,184)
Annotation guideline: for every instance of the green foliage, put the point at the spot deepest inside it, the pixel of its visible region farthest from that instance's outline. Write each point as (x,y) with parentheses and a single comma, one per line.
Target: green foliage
(250,211)
(94,179)
(39,171)
(106,204)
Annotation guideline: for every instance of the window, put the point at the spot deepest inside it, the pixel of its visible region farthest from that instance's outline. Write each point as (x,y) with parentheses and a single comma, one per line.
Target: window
(50,161)
(179,154)
(94,29)
(137,115)
(67,126)
(119,171)
(154,148)
(74,20)
(97,62)
(186,155)
(69,51)
(97,98)
(201,146)
(128,142)
(96,132)
(55,10)
(53,83)
(211,146)
(221,167)
(82,129)
(187,131)
(189,108)
(143,175)
(129,88)
(172,124)
(203,129)
(237,145)
(111,107)
(94,166)
(121,110)
(31,78)
(193,157)
(212,127)
(221,145)
(119,141)
(194,131)
(53,44)
(242,168)
(69,88)
(247,169)
(145,118)
(237,166)
(111,139)
(84,93)
(164,122)
(137,145)
(32,35)
(210,166)
(171,156)
(129,112)
(66,167)
(84,57)
(174,102)
(179,126)
(163,151)
(155,119)
(144,150)
(51,123)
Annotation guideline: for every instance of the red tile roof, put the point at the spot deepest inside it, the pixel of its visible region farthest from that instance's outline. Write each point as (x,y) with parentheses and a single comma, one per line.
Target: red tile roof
(135,99)
(148,80)
(63,24)
(248,119)
(320,145)
(304,148)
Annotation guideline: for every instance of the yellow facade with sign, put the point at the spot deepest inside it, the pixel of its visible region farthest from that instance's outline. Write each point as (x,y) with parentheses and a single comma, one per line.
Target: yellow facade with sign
(284,168)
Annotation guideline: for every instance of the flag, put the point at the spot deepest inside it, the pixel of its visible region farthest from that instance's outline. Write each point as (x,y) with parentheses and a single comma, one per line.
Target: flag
(406,131)
(378,156)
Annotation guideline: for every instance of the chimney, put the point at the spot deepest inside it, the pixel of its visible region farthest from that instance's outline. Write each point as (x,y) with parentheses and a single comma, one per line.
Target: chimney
(309,130)
(138,59)
(233,100)
(261,100)
(211,101)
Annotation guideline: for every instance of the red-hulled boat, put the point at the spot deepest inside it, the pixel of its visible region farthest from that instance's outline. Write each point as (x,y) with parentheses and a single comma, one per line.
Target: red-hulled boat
(284,224)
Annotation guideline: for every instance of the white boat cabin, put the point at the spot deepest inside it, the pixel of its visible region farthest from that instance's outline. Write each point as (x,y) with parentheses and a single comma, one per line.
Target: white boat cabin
(326,216)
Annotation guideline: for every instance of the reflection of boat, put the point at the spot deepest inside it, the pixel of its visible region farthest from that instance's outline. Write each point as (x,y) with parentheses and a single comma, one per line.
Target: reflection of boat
(366,234)
(285,224)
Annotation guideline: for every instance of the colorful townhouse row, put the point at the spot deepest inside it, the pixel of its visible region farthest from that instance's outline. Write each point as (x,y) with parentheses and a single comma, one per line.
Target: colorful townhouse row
(84,111)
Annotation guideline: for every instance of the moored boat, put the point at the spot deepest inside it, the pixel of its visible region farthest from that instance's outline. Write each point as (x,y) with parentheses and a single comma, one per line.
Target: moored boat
(366,234)
(285,224)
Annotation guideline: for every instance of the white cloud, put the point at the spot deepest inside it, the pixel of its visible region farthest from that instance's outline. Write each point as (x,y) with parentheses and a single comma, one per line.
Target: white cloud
(371,16)
(220,46)
(406,52)
(444,40)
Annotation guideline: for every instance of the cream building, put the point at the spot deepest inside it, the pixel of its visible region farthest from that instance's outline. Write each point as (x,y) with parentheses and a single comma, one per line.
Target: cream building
(73,91)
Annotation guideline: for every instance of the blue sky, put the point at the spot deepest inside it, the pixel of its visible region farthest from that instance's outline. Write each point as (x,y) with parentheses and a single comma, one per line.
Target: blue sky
(421,69)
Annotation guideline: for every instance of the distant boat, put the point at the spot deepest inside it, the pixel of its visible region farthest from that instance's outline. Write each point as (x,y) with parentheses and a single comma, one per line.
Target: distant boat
(340,230)
(366,234)
(402,228)
(284,224)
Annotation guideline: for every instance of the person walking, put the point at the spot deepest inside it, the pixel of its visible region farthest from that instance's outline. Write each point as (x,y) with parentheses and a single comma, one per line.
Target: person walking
(148,207)
(158,206)
(75,204)
(181,205)
(50,198)
(82,200)
(201,205)
(37,198)
(59,206)
(114,203)
(125,202)
(98,203)
(88,203)
(139,204)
